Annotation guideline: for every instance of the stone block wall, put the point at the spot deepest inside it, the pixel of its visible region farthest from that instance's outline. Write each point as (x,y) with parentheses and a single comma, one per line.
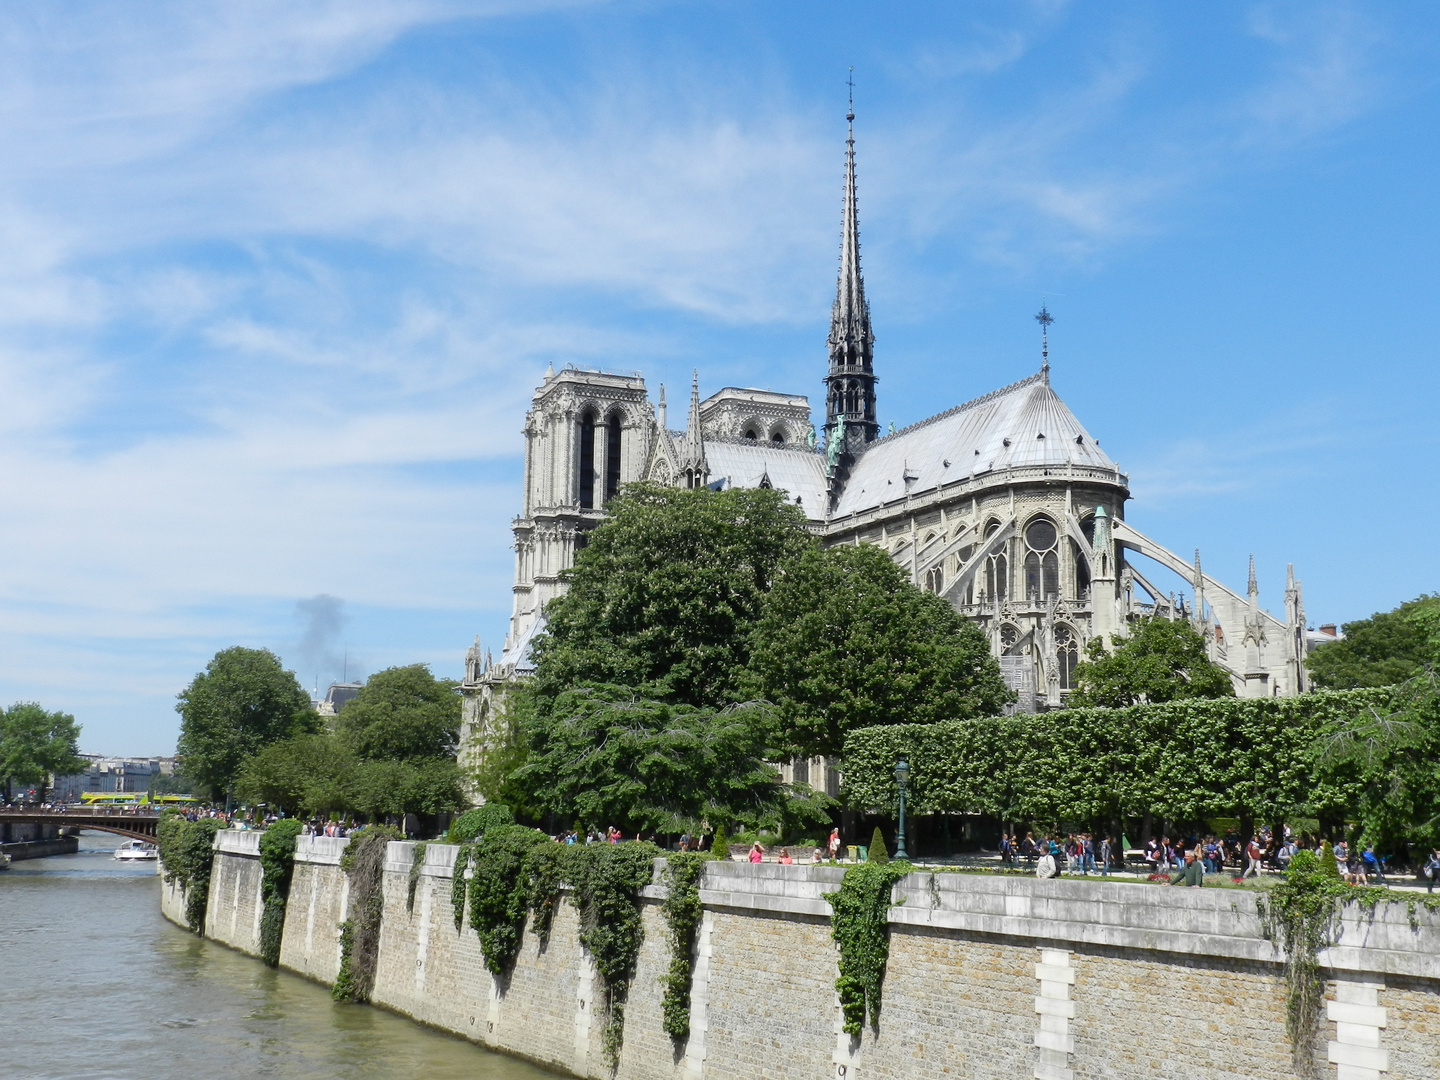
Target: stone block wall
(233,917)
(988,977)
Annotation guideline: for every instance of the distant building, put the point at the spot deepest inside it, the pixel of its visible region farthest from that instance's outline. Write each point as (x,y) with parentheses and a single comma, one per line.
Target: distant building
(112,774)
(336,698)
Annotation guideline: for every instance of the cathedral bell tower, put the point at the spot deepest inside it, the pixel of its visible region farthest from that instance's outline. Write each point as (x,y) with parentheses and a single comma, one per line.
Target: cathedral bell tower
(850,423)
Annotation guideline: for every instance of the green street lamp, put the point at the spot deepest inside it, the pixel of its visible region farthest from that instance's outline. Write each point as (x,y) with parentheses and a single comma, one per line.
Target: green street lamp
(902,776)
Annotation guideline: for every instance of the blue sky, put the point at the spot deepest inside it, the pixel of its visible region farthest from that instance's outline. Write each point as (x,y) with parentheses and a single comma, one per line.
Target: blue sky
(279,279)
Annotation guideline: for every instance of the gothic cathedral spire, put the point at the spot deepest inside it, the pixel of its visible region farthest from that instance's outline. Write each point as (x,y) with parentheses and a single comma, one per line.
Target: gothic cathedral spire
(850,383)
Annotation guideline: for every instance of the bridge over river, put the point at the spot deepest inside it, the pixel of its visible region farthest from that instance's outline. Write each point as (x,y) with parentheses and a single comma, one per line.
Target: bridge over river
(136,824)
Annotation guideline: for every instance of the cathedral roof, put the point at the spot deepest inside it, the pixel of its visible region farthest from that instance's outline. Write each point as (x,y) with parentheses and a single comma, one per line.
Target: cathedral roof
(746,463)
(1024,424)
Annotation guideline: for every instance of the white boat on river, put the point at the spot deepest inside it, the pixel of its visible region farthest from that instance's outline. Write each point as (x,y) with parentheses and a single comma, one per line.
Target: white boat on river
(136,849)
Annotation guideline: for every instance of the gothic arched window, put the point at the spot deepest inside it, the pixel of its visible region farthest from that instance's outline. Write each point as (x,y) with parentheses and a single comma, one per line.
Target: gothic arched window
(777,437)
(1042,560)
(997,578)
(587,460)
(1067,655)
(935,580)
(612,456)
(1082,571)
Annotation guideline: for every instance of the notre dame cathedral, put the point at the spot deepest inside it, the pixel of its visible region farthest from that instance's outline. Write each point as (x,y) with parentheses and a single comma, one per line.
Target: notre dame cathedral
(1004,505)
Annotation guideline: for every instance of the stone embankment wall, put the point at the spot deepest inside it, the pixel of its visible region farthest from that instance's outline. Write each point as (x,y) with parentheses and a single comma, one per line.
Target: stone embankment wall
(993,977)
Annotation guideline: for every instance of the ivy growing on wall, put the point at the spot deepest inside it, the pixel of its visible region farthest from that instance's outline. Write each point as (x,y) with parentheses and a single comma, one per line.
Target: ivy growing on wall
(682,913)
(606,880)
(364,864)
(458,886)
(860,925)
(417,860)
(277,868)
(500,892)
(545,874)
(1299,915)
(187,850)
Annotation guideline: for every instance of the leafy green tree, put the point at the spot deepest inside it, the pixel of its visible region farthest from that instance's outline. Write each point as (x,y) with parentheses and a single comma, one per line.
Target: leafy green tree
(845,640)
(1383,650)
(36,744)
(663,596)
(243,701)
(307,774)
(1161,660)
(402,714)
(1387,762)
(389,788)
(602,755)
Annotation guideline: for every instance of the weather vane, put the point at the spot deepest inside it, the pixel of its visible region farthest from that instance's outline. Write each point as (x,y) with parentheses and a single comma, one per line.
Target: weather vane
(1044,319)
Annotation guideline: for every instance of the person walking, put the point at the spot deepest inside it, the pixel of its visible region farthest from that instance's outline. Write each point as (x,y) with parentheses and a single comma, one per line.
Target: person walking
(1087,854)
(1372,864)
(1252,856)
(834,844)
(1432,870)
(1105,853)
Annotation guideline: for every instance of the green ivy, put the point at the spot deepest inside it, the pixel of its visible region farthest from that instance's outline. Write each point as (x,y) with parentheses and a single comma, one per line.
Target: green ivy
(187,852)
(860,925)
(417,860)
(606,880)
(545,872)
(458,886)
(500,892)
(1299,914)
(364,864)
(277,868)
(682,913)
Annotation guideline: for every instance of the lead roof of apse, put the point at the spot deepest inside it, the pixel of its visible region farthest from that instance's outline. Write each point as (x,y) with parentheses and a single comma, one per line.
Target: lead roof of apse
(1023,424)
(745,463)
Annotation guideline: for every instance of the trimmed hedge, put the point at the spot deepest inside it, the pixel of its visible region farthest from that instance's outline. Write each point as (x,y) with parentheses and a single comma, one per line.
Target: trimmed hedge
(1182,760)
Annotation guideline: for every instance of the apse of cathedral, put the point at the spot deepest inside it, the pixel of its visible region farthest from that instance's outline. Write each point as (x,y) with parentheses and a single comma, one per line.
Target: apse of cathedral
(1005,506)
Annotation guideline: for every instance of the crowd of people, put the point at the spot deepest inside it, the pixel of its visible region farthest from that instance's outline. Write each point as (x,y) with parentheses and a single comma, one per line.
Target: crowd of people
(1082,854)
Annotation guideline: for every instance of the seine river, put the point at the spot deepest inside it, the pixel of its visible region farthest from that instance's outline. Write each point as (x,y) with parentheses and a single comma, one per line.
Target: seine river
(94,985)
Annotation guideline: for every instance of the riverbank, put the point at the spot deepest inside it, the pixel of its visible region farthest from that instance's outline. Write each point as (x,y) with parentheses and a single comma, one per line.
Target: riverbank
(39,849)
(990,976)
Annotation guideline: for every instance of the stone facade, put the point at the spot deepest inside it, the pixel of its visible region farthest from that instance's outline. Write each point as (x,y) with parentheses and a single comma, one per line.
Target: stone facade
(988,977)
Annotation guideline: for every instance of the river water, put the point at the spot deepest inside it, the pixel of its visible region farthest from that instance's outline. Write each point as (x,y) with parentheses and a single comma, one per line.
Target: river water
(95,985)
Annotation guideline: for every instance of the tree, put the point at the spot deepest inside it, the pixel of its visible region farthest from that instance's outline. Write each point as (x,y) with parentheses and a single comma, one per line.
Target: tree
(845,640)
(604,756)
(243,701)
(307,774)
(1161,660)
(402,714)
(1387,648)
(662,597)
(36,744)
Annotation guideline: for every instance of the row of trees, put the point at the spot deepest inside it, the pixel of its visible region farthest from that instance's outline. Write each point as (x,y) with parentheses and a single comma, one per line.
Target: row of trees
(249,731)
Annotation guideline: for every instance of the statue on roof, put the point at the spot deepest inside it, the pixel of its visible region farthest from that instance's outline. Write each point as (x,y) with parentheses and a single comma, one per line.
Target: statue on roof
(836,443)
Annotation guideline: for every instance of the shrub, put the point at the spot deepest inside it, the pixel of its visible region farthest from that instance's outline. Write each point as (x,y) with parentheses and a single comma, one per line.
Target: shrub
(876,852)
(465,828)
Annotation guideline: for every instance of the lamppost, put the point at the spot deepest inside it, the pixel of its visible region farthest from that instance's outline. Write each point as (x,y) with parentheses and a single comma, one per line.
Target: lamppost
(902,775)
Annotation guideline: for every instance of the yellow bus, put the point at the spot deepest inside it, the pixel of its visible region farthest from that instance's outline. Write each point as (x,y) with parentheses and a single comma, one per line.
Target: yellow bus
(135,798)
